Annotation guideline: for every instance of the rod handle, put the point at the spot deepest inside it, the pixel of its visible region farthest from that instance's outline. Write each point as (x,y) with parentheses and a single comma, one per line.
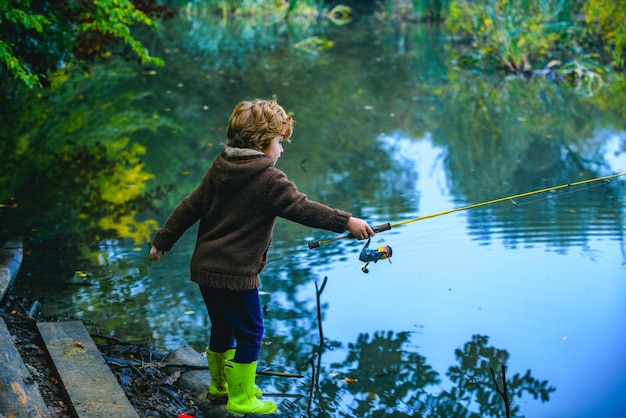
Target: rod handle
(313,244)
(382,227)
(377,228)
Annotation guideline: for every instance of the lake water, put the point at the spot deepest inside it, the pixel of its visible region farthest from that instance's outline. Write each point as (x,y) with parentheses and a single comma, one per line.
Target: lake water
(388,129)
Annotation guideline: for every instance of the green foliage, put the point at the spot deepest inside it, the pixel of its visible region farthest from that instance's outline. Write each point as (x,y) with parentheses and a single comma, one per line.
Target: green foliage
(587,76)
(39,37)
(25,30)
(115,18)
(514,35)
(520,36)
(261,11)
(234,39)
(606,21)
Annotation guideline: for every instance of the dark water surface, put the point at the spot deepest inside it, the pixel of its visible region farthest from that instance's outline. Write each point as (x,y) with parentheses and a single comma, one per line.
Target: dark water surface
(389,130)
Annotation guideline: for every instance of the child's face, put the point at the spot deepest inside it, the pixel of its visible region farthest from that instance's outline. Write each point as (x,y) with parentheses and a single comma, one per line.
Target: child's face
(274,149)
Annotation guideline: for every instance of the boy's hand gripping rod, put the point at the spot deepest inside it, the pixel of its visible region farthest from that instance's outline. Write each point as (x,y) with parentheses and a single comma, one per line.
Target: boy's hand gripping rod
(387,226)
(377,229)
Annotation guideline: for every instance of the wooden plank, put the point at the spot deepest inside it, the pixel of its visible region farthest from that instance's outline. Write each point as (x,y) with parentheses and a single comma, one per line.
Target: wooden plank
(19,394)
(11,255)
(91,387)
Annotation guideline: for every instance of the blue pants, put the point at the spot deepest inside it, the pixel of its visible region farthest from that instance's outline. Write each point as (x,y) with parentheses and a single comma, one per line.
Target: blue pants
(236,322)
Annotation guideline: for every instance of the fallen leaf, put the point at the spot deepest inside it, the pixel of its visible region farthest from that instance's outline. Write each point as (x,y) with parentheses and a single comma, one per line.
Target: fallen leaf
(171,379)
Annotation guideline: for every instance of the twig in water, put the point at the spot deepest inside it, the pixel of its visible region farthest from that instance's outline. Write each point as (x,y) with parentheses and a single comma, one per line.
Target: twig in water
(278,374)
(311,361)
(318,293)
(502,391)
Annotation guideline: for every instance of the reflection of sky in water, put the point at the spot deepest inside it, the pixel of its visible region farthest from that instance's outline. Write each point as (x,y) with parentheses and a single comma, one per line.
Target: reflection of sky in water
(559,315)
(616,152)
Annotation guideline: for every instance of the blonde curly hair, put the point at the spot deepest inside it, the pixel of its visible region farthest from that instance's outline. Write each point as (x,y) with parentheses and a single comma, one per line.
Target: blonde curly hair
(254,124)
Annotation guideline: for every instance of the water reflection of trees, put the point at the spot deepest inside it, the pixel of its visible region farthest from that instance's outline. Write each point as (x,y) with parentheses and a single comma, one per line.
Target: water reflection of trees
(381,377)
(70,165)
(379,374)
(496,137)
(522,136)
(503,145)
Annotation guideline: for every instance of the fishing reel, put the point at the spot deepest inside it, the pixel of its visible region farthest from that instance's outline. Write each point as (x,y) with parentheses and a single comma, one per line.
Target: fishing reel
(368,255)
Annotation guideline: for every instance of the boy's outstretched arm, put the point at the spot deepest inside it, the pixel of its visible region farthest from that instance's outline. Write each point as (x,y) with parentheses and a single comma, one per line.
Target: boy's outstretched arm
(154,253)
(359,228)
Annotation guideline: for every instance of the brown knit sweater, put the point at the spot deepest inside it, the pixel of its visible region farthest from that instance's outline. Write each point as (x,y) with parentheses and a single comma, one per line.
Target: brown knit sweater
(237,203)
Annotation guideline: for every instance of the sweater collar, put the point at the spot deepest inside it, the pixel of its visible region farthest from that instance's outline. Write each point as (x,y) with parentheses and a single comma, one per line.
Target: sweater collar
(241,152)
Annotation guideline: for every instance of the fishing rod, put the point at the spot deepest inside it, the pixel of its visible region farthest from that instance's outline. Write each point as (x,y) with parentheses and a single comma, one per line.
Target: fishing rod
(369,255)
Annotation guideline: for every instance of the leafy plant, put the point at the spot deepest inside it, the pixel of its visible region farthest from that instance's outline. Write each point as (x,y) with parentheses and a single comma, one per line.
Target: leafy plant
(40,37)
(512,35)
(605,21)
(586,74)
(259,10)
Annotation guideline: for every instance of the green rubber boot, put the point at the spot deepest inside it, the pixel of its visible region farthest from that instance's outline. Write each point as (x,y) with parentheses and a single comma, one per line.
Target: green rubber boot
(218,389)
(229,355)
(241,394)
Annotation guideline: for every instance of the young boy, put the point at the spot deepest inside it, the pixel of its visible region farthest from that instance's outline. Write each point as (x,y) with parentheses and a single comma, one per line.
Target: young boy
(237,203)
